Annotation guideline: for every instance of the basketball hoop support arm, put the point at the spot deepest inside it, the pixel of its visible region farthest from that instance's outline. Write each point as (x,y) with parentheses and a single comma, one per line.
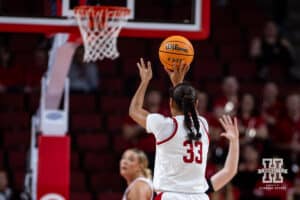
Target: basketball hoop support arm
(60,59)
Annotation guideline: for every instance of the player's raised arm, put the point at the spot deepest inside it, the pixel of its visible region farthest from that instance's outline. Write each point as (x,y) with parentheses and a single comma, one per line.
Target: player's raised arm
(136,110)
(229,170)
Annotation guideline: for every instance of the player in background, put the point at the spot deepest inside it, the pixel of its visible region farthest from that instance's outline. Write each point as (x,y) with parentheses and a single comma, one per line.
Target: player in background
(182,141)
(134,168)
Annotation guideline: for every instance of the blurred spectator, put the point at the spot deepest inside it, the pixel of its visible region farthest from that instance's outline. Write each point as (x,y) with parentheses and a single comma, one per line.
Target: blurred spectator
(202,107)
(226,103)
(247,176)
(215,127)
(249,158)
(153,102)
(84,77)
(294,193)
(130,129)
(288,127)
(10,74)
(287,135)
(5,191)
(35,72)
(271,48)
(218,144)
(270,105)
(251,126)
(229,99)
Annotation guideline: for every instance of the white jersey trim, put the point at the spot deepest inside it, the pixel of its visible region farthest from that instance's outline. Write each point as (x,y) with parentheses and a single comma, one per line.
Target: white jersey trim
(205,129)
(143,179)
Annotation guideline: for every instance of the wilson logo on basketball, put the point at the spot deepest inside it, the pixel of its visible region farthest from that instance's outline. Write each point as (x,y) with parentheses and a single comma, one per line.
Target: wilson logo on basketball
(175,47)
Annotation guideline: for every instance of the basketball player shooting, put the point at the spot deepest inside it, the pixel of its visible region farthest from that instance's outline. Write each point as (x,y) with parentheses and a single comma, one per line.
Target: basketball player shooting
(182,140)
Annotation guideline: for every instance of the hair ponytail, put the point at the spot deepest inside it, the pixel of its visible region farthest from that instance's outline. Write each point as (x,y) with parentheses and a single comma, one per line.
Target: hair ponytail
(187,105)
(196,124)
(184,96)
(143,160)
(147,173)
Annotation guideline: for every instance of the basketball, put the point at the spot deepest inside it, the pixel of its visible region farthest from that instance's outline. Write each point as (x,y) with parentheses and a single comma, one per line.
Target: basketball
(175,49)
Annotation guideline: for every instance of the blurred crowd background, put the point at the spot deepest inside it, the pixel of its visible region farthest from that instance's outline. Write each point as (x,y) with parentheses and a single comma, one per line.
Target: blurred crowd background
(248,67)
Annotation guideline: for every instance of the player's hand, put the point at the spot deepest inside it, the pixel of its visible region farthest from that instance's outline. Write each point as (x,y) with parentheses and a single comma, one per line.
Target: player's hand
(231,128)
(177,75)
(145,70)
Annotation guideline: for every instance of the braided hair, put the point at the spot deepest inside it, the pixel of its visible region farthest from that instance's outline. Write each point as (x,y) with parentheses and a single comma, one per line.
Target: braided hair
(185,97)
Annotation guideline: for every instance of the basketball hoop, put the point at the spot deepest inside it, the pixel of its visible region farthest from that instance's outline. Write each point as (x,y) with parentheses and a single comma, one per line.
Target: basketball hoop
(100,27)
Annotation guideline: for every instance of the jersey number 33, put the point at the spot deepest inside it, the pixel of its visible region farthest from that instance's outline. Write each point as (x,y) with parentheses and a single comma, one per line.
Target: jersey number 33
(191,155)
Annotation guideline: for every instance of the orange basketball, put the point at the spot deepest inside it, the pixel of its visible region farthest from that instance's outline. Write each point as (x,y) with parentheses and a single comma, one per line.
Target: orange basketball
(175,49)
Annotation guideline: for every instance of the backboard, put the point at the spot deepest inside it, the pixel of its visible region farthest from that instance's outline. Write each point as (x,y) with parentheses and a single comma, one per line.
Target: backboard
(151,18)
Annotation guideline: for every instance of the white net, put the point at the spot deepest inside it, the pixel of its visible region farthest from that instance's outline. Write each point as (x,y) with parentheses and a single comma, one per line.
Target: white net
(100,27)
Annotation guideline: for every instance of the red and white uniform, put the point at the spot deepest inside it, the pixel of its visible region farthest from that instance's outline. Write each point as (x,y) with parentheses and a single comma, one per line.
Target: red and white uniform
(180,164)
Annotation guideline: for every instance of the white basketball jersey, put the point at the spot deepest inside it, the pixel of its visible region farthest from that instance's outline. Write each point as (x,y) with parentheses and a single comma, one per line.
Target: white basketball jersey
(180,164)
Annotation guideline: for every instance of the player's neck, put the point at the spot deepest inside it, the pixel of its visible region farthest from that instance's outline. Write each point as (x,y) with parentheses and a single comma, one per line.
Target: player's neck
(176,113)
(131,179)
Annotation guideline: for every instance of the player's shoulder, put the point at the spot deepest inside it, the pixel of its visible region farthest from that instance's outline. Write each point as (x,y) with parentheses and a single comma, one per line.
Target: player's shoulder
(202,119)
(204,122)
(141,186)
(155,123)
(155,115)
(158,117)
(143,183)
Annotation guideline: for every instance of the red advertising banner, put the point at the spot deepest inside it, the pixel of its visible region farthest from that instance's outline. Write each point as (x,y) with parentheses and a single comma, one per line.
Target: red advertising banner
(53,178)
